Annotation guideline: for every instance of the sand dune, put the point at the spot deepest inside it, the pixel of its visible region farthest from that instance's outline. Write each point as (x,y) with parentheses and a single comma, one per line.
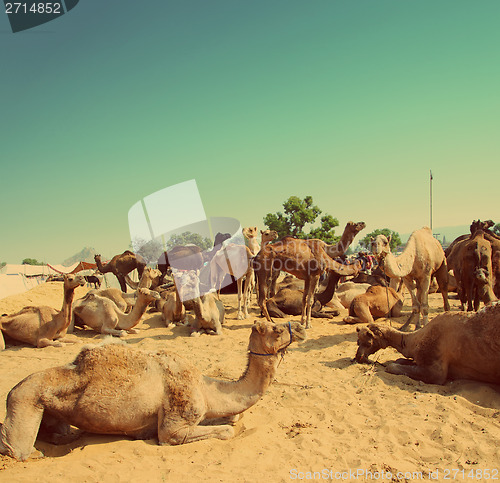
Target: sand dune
(322,413)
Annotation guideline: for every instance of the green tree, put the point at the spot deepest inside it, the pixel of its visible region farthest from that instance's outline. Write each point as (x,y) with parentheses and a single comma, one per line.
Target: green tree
(31,261)
(297,214)
(395,239)
(150,250)
(496,229)
(3,264)
(189,238)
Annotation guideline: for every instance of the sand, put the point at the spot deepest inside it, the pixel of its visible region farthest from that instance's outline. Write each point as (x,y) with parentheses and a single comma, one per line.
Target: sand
(323,413)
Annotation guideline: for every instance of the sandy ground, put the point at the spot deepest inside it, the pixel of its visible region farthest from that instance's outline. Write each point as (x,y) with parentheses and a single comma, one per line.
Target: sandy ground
(322,413)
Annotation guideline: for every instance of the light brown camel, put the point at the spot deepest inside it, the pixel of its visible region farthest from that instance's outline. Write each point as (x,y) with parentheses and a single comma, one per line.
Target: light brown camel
(42,326)
(422,258)
(102,315)
(250,234)
(152,394)
(121,265)
(234,260)
(307,260)
(172,308)
(346,292)
(455,345)
(151,278)
(209,311)
(376,302)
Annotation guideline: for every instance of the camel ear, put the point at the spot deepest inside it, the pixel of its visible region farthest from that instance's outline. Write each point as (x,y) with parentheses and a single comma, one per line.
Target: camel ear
(261,232)
(259,327)
(389,238)
(375,330)
(357,329)
(372,238)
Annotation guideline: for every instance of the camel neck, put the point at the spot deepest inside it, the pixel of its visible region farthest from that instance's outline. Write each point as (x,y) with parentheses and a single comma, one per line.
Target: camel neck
(341,246)
(69,294)
(102,268)
(133,318)
(230,398)
(400,266)
(401,341)
(324,297)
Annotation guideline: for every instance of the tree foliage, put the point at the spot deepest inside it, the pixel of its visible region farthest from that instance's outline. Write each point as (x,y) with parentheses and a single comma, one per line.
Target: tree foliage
(496,229)
(395,239)
(2,264)
(32,261)
(297,214)
(187,238)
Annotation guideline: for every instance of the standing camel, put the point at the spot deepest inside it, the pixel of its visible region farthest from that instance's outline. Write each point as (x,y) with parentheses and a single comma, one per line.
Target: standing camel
(422,258)
(121,265)
(307,260)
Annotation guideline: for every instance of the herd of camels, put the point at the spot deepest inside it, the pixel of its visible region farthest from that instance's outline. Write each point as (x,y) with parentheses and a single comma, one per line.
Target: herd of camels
(158,394)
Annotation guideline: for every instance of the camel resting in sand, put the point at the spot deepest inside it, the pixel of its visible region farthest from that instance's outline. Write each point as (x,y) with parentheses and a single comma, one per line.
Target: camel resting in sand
(454,345)
(42,326)
(102,315)
(376,302)
(152,394)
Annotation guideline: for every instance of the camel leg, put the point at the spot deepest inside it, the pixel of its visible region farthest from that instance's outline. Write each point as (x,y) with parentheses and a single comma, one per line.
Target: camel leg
(174,435)
(360,314)
(309,297)
(108,328)
(423,298)
(434,374)
(240,294)
(442,280)
(263,293)
(415,312)
(274,310)
(44,342)
(20,428)
(121,281)
(2,342)
(470,294)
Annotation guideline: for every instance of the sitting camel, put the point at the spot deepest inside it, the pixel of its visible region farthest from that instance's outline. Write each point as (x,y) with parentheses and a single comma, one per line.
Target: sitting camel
(121,265)
(307,260)
(102,315)
(209,311)
(458,345)
(346,292)
(153,394)
(267,236)
(42,326)
(376,302)
(422,258)
(151,278)
(172,308)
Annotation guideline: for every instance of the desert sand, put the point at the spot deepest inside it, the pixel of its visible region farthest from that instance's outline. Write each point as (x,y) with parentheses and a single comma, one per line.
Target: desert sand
(324,413)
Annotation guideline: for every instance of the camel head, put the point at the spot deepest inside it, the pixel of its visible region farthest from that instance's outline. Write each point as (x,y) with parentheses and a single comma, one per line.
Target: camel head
(149,275)
(268,235)
(270,338)
(370,340)
(355,228)
(381,246)
(250,232)
(147,295)
(73,281)
(188,284)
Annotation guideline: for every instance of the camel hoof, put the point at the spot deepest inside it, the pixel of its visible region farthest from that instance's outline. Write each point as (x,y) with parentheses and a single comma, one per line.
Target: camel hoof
(133,331)
(241,317)
(170,325)
(122,333)
(195,334)
(227,433)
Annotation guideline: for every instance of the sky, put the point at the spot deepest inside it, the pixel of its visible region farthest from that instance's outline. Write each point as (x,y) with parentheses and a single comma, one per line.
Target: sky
(351,102)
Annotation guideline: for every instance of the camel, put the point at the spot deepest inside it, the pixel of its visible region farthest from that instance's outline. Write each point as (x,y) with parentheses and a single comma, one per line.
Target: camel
(250,234)
(267,236)
(458,345)
(93,279)
(42,326)
(209,311)
(151,278)
(234,260)
(181,257)
(152,394)
(171,307)
(333,251)
(422,258)
(121,265)
(376,302)
(102,315)
(307,260)
(473,270)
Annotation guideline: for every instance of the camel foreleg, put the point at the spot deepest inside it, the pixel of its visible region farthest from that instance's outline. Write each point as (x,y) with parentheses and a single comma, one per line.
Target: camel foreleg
(415,312)
(2,342)
(189,434)
(434,374)
(239,283)
(423,299)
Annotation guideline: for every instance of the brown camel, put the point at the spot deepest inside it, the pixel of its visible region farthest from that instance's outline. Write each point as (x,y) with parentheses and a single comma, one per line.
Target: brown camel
(422,258)
(181,257)
(209,311)
(267,236)
(333,251)
(151,278)
(151,394)
(307,260)
(172,308)
(121,265)
(42,326)
(376,302)
(346,292)
(102,315)
(473,270)
(458,345)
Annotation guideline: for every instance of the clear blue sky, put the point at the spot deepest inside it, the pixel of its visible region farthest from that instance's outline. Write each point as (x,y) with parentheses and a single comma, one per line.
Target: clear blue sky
(351,102)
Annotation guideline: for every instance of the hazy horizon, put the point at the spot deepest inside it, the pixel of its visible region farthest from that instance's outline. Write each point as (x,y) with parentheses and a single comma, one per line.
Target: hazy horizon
(351,103)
